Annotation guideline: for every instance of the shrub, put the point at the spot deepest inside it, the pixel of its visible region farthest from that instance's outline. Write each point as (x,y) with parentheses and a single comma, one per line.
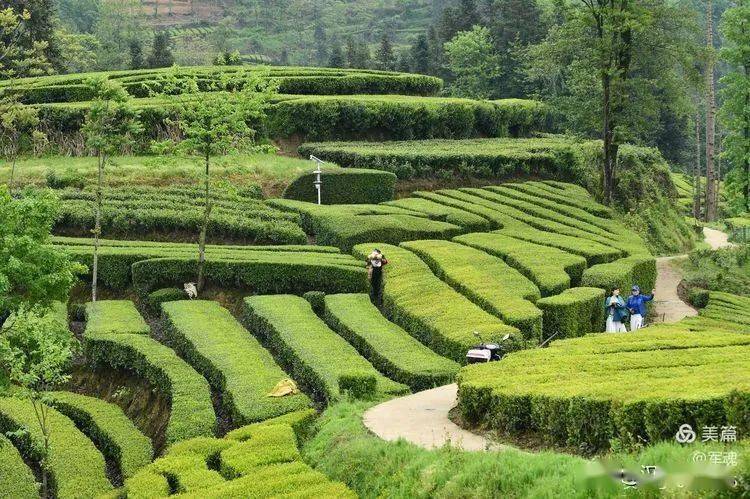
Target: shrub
(316,299)
(109,428)
(358,385)
(485,280)
(387,346)
(437,211)
(18,480)
(622,273)
(574,312)
(429,309)
(233,362)
(164,295)
(114,316)
(304,345)
(67,178)
(75,466)
(602,397)
(551,269)
(344,186)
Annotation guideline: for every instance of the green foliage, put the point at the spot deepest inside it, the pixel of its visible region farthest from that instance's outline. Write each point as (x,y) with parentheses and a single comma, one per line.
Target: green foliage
(726,269)
(164,295)
(486,280)
(18,130)
(109,428)
(358,385)
(574,312)
(387,346)
(114,316)
(601,398)
(192,413)
(344,186)
(428,308)
(622,274)
(75,466)
(24,54)
(31,270)
(112,123)
(303,344)
(436,211)
(18,480)
(233,362)
(473,62)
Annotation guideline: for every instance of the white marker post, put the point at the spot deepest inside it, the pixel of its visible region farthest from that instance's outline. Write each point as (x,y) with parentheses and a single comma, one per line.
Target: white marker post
(318,181)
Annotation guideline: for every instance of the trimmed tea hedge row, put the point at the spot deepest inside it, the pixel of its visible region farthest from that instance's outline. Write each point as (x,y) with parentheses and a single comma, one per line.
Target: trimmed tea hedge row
(344,186)
(428,308)
(291,80)
(387,346)
(622,273)
(16,479)
(399,117)
(486,280)
(551,269)
(76,467)
(640,387)
(109,428)
(150,266)
(494,158)
(316,356)
(136,211)
(574,312)
(436,211)
(192,413)
(114,316)
(335,226)
(728,308)
(256,461)
(230,358)
(564,200)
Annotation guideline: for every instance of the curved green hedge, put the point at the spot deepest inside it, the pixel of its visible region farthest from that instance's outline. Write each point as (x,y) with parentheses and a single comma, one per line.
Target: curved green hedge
(398,117)
(344,186)
(16,479)
(315,355)
(109,428)
(428,308)
(437,211)
(485,280)
(232,360)
(391,349)
(635,387)
(192,412)
(76,467)
(574,312)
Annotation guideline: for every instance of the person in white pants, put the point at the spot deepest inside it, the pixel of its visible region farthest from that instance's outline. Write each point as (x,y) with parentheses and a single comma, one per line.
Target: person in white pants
(637,306)
(616,312)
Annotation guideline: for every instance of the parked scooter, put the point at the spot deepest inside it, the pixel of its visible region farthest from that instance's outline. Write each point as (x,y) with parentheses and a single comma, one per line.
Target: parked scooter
(486,352)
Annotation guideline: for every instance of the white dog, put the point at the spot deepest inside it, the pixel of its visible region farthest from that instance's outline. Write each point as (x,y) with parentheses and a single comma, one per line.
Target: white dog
(191,290)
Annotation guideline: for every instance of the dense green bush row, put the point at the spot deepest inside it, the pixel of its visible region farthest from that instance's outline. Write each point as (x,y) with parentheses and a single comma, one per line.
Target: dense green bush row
(574,312)
(17,479)
(437,211)
(315,355)
(192,413)
(389,348)
(231,359)
(398,117)
(428,308)
(333,225)
(256,461)
(185,247)
(483,158)
(622,274)
(574,197)
(109,428)
(632,388)
(486,280)
(551,269)
(728,308)
(114,316)
(344,186)
(265,269)
(291,80)
(76,468)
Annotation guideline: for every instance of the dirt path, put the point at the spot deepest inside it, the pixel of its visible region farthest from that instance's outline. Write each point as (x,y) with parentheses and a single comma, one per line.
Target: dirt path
(422,418)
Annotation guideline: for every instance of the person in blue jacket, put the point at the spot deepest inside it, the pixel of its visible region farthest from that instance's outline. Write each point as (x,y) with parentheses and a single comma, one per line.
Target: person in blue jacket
(637,306)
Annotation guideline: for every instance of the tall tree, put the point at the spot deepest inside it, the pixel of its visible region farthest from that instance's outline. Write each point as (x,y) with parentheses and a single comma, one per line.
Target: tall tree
(215,123)
(735,109)
(321,45)
(111,125)
(161,51)
(136,54)
(337,55)
(697,169)
(18,58)
(18,125)
(420,55)
(473,62)
(711,198)
(39,28)
(385,59)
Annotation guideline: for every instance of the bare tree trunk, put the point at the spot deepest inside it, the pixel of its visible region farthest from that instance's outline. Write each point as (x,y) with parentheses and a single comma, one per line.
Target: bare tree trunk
(610,149)
(697,169)
(12,174)
(97,226)
(204,229)
(746,135)
(710,214)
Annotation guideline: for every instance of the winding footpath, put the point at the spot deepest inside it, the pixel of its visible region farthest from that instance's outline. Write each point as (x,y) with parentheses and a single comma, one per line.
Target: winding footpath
(422,418)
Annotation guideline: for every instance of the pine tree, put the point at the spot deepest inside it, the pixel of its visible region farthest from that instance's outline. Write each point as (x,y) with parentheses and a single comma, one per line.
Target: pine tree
(321,48)
(337,56)
(136,54)
(161,53)
(284,57)
(39,27)
(384,59)
(420,55)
